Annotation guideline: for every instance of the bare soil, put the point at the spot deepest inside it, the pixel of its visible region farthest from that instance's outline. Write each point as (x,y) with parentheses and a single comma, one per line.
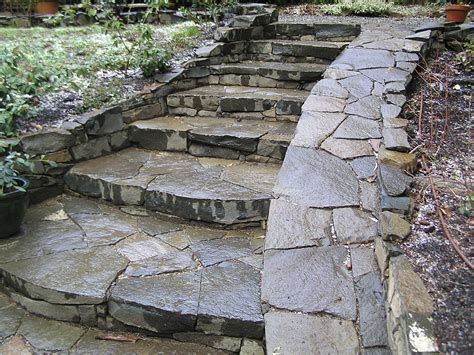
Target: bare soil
(440,112)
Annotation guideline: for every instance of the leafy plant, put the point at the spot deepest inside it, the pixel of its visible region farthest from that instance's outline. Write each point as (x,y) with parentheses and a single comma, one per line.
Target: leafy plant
(467,209)
(13,164)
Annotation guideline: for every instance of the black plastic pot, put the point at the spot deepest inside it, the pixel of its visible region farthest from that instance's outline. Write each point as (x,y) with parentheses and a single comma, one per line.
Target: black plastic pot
(13,206)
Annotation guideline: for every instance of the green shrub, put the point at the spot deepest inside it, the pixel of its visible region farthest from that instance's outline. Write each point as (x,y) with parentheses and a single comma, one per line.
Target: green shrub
(358,8)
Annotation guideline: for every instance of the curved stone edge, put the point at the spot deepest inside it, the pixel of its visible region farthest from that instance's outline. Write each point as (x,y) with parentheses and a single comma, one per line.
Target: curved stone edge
(307,280)
(408,305)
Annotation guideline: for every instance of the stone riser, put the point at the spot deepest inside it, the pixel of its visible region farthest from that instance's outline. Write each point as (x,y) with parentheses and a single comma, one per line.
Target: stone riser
(226,146)
(232,106)
(156,323)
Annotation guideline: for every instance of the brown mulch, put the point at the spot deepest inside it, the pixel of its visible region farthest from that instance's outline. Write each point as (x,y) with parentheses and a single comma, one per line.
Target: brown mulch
(444,135)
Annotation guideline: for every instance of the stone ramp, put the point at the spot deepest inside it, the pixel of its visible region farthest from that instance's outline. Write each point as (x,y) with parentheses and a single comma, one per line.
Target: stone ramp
(87,262)
(205,189)
(227,138)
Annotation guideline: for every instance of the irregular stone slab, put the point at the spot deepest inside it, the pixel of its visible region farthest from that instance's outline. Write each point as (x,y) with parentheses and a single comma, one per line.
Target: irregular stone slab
(360,58)
(160,264)
(392,44)
(202,196)
(331,88)
(203,150)
(383,252)
(91,149)
(71,277)
(178,239)
(15,345)
(353,225)
(394,181)
(406,57)
(405,161)
(393,227)
(240,137)
(390,111)
(251,347)
(105,229)
(363,261)
(369,196)
(49,335)
(11,316)
(368,107)
(47,141)
(356,127)
(90,344)
(179,184)
(370,36)
(395,87)
(289,333)
(215,341)
(292,226)
(229,306)
(323,104)
(256,261)
(163,304)
(370,296)
(364,167)
(211,252)
(387,75)
(402,205)
(395,123)
(313,279)
(48,310)
(154,226)
(346,148)
(396,99)
(333,183)
(314,127)
(358,85)
(336,74)
(396,139)
(140,246)
(315,49)
(410,308)
(160,133)
(40,238)
(272,70)
(103,121)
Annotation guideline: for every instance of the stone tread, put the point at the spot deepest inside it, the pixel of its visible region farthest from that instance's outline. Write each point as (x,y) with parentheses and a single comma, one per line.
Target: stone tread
(243,92)
(308,48)
(273,70)
(238,98)
(208,189)
(177,133)
(155,275)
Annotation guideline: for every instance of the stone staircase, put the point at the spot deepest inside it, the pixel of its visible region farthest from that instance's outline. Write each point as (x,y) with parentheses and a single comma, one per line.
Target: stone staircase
(212,157)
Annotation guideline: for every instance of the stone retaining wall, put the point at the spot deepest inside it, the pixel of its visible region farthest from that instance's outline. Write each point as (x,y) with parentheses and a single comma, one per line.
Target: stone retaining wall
(340,193)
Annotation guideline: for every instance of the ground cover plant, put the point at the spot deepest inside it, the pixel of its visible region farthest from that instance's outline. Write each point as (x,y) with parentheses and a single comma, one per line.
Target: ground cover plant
(87,66)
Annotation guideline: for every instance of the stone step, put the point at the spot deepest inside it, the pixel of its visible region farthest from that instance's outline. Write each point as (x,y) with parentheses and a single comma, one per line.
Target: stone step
(215,137)
(85,261)
(274,103)
(248,73)
(205,189)
(278,49)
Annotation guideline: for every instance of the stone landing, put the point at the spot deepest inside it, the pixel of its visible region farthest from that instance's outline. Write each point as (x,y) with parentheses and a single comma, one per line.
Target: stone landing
(82,261)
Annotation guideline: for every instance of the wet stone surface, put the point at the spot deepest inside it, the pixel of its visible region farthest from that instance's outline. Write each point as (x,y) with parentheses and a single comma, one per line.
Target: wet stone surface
(154,274)
(208,189)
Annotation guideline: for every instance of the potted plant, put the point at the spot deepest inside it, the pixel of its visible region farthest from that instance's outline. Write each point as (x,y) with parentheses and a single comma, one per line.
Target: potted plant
(456,12)
(13,189)
(47,7)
